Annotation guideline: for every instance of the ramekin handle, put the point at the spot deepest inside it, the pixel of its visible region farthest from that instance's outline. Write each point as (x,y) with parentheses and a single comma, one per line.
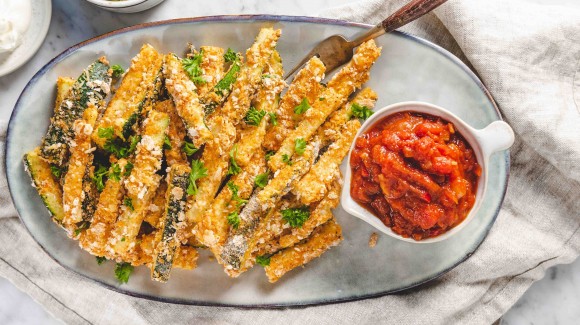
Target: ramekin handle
(495,137)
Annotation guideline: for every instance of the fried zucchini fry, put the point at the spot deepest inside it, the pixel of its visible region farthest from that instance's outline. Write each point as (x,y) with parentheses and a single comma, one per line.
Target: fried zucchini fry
(322,239)
(75,197)
(63,87)
(220,92)
(316,183)
(174,153)
(212,67)
(155,212)
(45,183)
(307,85)
(183,92)
(347,80)
(139,88)
(177,180)
(142,182)
(94,239)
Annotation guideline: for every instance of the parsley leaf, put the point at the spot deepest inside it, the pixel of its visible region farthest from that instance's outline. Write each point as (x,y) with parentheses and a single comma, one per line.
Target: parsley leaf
(82,227)
(296,216)
(321,98)
(167,143)
(269,154)
(302,107)
(263,260)
(55,171)
(192,67)
(235,195)
(299,146)
(129,203)
(261,180)
(122,149)
(101,259)
(106,133)
(234,169)
(234,219)
(197,171)
(359,111)
(128,168)
(273,118)
(230,55)
(117,70)
(188,148)
(123,271)
(223,86)
(286,159)
(98,177)
(115,172)
(254,116)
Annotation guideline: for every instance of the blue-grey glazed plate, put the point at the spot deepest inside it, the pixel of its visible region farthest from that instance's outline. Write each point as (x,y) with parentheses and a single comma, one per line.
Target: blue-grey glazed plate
(409,69)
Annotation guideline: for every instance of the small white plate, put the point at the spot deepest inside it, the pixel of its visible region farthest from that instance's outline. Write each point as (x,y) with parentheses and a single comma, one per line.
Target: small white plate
(32,39)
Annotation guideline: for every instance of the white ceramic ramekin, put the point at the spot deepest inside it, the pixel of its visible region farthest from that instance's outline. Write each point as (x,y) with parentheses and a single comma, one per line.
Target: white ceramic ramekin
(495,137)
(126,6)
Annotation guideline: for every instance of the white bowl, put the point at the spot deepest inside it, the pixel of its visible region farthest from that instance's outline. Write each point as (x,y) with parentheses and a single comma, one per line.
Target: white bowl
(497,136)
(126,6)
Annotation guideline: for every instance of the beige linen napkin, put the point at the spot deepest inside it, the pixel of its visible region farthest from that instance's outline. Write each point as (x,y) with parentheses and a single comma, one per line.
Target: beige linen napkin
(528,54)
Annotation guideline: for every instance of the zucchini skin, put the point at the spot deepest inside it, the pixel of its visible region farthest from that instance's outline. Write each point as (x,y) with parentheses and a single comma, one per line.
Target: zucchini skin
(174,214)
(45,183)
(91,87)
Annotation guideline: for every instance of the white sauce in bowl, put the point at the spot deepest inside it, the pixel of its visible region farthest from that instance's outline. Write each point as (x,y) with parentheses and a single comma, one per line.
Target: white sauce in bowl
(15,18)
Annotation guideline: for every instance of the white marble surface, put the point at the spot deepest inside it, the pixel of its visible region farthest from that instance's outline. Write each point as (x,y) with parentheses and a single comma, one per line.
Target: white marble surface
(553,300)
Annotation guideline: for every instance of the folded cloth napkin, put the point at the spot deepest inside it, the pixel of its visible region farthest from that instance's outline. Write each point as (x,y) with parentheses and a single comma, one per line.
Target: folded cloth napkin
(527,52)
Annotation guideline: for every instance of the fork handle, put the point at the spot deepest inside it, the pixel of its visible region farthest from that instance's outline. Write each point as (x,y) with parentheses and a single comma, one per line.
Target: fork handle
(401,17)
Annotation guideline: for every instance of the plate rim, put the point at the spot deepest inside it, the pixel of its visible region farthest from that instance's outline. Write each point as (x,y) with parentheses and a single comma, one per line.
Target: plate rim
(247,18)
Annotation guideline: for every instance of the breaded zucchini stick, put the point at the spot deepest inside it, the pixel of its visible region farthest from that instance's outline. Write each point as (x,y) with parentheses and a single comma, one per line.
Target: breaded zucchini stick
(323,238)
(63,87)
(75,198)
(175,134)
(94,239)
(316,183)
(212,67)
(184,94)
(347,80)
(45,182)
(142,182)
(90,89)
(137,91)
(155,212)
(307,85)
(166,237)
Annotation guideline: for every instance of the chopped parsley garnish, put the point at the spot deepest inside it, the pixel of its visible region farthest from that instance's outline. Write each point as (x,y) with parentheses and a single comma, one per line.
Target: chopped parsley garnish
(263,260)
(189,148)
(128,168)
(98,177)
(230,55)
(82,227)
(299,146)
(264,76)
(115,172)
(296,217)
(321,98)
(167,143)
(192,67)
(235,195)
(129,203)
(101,259)
(269,154)
(117,70)
(286,159)
(197,171)
(123,272)
(273,118)
(254,116)
(105,133)
(261,180)
(359,111)
(223,86)
(116,146)
(302,107)
(234,219)
(55,171)
(234,169)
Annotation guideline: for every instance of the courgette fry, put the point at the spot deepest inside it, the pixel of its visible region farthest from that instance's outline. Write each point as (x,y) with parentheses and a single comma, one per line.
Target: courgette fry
(238,247)
(322,239)
(347,80)
(184,94)
(173,150)
(155,212)
(139,88)
(307,85)
(212,67)
(63,87)
(215,98)
(316,183)
(90,89)
(45,182)
(75,194)
(142,182)
(94,239)
(166,237)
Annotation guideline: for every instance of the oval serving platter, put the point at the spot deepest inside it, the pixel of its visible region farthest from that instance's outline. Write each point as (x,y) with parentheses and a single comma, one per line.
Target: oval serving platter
(409,69)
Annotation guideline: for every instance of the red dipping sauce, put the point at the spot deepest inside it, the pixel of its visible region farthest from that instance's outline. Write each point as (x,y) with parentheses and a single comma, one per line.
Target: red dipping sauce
(415,173)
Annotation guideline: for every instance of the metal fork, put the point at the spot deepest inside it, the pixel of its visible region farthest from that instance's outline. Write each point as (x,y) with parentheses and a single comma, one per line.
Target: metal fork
(337,50)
